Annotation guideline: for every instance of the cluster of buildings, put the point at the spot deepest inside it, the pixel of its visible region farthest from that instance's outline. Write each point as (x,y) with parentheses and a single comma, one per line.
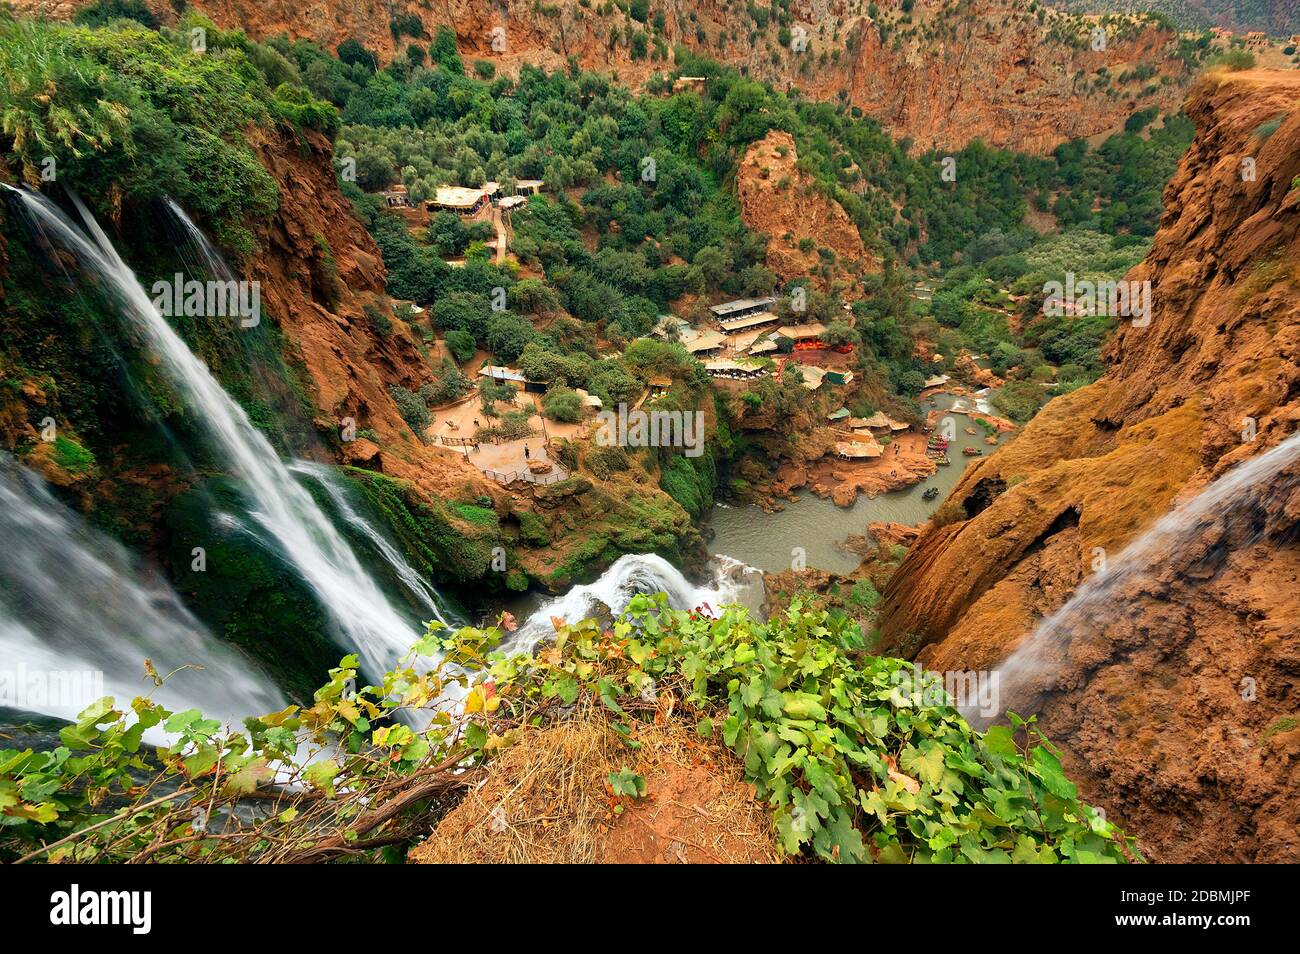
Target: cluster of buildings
(747,329)
(461,200)
(862,434)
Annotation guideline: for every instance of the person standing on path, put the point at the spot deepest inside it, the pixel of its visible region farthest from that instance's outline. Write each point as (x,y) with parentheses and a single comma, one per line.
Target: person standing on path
(526,455)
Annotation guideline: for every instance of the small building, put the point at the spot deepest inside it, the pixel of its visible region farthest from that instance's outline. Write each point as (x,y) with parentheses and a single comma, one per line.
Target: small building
(707,344)
(490,189)
(511,202)
(457,199)
(730,311)
(751,322)
(528,187)
(589,400)
(764,345)
(671,328)
(812,375)
(839,376)
(396,197)
(938,381)
(797,333)
(734,370)
(839,415)
(688,82)
(880,423)
(500,374)
(857,450)
(659,386)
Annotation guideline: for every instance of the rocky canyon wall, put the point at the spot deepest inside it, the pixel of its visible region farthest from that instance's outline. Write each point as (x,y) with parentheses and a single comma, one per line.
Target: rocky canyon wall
(1179,711)
(943,72)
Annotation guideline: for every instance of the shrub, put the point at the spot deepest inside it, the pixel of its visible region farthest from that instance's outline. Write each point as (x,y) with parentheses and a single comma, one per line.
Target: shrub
(378,320)
(103,12)
(515,425)
(1232,61)
(448,383)
(604,462)
(532,530)
(563,405)
(351,52)
(412,408)
(72,457)
(864,594)
(461,344)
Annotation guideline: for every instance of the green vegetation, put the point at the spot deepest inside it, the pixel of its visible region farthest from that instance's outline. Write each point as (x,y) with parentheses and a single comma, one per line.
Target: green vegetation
(690,481)
(412,407)
(652,175)
(441,542)
(859,758)
(72,457)
(92,101)
(563,404)
(1232,60)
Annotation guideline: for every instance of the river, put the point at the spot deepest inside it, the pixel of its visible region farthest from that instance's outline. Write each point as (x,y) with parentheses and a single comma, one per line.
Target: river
(768,541)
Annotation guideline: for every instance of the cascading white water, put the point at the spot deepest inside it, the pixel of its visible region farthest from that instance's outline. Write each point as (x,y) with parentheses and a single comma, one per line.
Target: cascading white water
(78,618)
(423,591)
(209,258)
(732,582)
(1101,599)
(285,510)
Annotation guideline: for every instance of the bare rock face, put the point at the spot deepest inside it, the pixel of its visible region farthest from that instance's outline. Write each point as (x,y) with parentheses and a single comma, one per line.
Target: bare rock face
(318,270)
(993,70)
(1152,707)
(781,201)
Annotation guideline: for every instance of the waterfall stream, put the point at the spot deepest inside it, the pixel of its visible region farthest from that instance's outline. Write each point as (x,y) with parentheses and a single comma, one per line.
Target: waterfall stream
(78,618)
(284,510)
(732,582)
(1103,598)
(424,592)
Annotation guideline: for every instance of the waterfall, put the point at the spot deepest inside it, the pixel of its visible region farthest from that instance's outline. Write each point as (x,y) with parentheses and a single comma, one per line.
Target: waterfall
(210,259)
(1103,598)
(78,618)
(286,511)
(731,582)
(424,592)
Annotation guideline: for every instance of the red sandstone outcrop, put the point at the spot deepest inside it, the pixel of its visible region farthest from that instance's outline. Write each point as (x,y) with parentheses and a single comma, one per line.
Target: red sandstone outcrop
(783,202)
(1150,711)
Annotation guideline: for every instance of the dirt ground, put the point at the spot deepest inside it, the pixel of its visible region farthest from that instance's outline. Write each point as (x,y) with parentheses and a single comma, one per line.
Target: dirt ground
(459,420)
(548,800)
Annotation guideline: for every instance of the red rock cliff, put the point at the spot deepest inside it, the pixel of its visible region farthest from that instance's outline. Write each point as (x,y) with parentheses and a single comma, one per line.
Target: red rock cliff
(1151,711)
(942,74)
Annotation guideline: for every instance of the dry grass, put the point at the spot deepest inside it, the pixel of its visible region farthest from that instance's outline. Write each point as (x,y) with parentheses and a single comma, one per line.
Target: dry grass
(546,800)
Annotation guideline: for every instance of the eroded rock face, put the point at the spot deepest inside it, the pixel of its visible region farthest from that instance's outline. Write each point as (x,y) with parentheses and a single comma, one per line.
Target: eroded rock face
(781,201)
(318,270)
(1150,710)
(995,71)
